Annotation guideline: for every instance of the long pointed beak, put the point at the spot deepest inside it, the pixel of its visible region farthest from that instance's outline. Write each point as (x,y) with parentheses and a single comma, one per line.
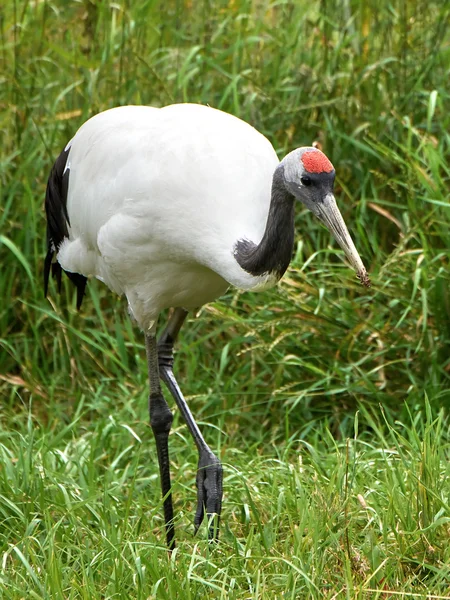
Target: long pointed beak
(329,214)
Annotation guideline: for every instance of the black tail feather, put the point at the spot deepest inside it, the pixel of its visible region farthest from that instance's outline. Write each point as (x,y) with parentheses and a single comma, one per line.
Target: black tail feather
(57,225)
(80,282)
(56,274)
(47,266)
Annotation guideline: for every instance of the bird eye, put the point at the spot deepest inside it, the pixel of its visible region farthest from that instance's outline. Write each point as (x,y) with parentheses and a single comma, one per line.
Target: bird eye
(306,181)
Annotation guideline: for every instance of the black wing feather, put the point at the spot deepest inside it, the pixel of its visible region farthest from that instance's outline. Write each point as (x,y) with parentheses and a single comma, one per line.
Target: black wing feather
(57,223)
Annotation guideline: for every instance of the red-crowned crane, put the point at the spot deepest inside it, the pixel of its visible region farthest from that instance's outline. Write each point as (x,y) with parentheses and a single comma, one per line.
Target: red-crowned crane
(170,206)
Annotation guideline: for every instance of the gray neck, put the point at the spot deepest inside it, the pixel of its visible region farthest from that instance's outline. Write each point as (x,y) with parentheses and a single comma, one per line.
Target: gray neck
(273,254)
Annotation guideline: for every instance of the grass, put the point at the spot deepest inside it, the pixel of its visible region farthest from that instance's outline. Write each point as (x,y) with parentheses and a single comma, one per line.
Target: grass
(328,404)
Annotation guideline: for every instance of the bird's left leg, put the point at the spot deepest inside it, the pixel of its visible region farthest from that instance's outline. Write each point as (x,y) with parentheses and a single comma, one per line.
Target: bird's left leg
(209,474)
(161,422)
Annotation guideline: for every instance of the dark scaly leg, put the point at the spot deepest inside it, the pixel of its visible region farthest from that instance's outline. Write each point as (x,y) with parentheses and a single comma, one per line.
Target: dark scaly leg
(160,421)
(209,474)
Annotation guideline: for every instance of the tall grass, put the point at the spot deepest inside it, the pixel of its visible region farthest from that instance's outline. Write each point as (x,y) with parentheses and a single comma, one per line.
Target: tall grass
(328,404)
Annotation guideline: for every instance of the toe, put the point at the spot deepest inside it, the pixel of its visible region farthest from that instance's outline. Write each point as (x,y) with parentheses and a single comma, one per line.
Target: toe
(200,510)
(209,493)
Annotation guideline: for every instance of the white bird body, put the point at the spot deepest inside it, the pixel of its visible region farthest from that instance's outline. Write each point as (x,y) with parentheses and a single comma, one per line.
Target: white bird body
(157,200)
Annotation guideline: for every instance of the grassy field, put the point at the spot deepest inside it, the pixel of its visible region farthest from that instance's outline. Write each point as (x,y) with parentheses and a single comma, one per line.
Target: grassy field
(328,403)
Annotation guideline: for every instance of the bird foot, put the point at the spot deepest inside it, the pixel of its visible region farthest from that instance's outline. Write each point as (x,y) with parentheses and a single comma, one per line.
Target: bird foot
(209,493)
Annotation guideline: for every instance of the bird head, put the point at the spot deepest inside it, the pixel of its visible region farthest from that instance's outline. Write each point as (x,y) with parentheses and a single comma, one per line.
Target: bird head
(309,177)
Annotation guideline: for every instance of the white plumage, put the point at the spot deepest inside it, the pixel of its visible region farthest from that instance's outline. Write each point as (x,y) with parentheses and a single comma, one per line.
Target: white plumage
(157,199)
(169,206)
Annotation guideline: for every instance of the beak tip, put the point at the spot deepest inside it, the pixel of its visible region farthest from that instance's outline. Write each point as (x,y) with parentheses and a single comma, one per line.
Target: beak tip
(364,278)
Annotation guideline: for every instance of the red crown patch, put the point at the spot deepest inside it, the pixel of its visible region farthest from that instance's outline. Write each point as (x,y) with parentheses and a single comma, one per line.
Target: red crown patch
(315,161)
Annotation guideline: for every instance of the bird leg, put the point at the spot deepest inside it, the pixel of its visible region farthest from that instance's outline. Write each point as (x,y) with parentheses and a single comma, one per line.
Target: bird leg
(209,473)
(160,421)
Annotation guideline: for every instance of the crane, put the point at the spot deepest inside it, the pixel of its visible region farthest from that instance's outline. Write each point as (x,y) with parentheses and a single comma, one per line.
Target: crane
(169,207)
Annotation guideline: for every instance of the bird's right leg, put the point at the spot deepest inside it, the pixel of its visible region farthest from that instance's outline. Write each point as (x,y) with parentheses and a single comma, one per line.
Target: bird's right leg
(209,473)
(161,422)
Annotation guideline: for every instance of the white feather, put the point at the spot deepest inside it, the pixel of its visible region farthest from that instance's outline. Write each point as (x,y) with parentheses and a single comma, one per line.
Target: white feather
(158,199)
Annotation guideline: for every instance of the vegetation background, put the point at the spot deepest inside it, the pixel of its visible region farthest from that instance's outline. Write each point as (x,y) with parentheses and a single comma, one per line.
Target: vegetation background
(328,403)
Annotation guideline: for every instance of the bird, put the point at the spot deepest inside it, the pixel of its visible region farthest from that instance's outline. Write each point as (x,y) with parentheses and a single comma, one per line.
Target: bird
(169,207)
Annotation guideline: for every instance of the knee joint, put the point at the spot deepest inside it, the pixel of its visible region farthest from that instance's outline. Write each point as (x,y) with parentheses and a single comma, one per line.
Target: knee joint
(160,415)
(165,354)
